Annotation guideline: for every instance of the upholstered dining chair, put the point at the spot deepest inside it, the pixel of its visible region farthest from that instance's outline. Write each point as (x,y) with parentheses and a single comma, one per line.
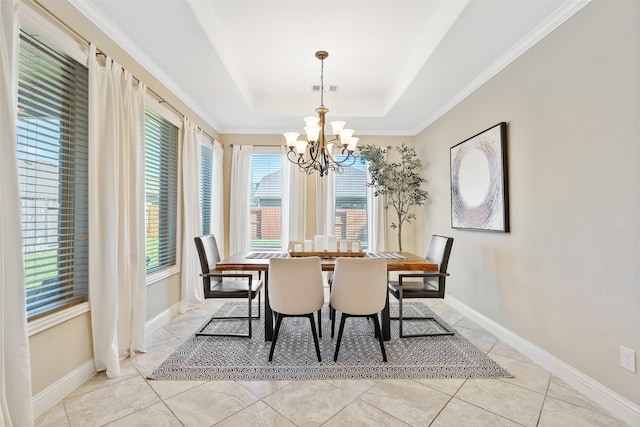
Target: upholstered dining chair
(225,285)
(424,285)
(296,290)
(359,289)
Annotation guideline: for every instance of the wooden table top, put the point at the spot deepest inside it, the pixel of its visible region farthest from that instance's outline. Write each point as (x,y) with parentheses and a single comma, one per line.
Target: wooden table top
(410,262)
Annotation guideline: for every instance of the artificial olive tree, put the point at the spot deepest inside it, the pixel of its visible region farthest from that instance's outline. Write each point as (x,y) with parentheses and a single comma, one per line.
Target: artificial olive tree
(400,182)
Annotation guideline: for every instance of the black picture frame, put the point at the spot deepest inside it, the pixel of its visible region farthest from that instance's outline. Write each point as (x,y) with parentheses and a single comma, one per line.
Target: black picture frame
(479,196)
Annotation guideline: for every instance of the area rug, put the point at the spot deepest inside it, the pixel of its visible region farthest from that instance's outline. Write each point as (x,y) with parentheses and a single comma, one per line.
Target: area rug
(231,358)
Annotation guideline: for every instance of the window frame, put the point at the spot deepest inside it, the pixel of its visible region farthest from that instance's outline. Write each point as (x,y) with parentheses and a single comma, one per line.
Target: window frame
(36,20)
(365,199)
(276,151)
(163,273)
(206,143)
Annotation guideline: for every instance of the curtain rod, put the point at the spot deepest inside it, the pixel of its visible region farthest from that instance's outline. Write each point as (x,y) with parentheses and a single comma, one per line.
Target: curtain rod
(101,52)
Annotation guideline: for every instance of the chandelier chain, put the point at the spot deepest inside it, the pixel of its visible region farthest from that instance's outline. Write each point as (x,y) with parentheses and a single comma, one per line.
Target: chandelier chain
(322,83)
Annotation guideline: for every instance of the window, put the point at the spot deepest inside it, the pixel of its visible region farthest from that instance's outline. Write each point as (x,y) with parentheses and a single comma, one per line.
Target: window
(351,203)
(161,191)
(206,176)
(52,151)
(266,201)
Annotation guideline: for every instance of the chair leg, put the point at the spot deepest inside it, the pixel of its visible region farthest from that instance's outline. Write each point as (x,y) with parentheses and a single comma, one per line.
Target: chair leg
(275,335)
(401,318)
(315,336)
(400,305)
(249,303)
(320,323)
(249,317)
(376,324)
(333,322)
(340,331)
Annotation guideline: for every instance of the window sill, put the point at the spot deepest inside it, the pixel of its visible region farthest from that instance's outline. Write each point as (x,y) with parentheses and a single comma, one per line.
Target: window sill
(43,323)
(157,276)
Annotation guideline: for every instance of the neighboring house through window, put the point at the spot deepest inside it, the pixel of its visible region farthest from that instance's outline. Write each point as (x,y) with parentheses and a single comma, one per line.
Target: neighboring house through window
(351,203)
(266,201)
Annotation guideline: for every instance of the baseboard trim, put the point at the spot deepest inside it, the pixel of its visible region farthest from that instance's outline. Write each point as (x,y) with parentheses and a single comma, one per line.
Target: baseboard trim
(605,397)
(161,319)
(52,395)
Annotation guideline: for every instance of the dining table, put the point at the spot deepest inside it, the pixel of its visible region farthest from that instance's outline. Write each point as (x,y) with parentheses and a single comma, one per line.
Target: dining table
(259,261)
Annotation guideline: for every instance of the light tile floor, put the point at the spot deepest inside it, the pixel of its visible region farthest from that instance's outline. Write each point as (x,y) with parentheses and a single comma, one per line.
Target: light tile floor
(533,398)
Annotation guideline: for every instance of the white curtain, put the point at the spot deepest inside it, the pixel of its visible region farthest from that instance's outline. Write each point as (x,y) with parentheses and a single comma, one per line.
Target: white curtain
(326,204)
(217,196)
(293,201)
(117,276)
(15,370)
(376,220)
(191,293)
(239,216)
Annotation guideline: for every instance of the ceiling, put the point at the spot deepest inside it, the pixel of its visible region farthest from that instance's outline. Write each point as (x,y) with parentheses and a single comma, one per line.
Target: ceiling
(249,66)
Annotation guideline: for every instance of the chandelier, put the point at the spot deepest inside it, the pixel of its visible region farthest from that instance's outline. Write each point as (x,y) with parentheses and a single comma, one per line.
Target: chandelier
(317,153)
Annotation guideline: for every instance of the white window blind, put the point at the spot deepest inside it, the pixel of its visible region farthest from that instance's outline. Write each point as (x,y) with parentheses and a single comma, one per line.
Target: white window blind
(52,151)
(351,203)
(161,195)
(266,201)
(206,172)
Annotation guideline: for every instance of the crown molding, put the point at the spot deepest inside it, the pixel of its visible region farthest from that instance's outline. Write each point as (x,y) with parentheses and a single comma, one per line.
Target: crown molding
(89,10)
(562,14)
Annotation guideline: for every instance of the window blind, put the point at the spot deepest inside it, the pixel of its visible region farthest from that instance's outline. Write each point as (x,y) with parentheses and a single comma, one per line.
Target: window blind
(161,195)
(52,151)
(206,171)
(266,201)
(351,203)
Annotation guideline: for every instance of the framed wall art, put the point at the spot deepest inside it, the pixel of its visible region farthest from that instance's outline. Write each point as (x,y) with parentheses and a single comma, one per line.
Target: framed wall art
(479,198)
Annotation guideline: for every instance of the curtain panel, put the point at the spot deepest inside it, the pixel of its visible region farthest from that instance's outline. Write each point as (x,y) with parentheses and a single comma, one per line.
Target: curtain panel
(325,204)
(191,293)
(240,203)
(15,370)
(117,278)
(217,197)
(376,219)
(293,201)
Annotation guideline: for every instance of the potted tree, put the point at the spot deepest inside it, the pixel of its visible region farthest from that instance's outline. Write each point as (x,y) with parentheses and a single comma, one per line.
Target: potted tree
(399,181)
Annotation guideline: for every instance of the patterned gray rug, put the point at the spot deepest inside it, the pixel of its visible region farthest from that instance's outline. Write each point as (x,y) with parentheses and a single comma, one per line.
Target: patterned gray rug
(211,358)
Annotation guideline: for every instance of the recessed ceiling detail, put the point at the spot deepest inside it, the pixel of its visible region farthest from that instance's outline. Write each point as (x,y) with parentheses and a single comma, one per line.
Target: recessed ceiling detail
(244,65)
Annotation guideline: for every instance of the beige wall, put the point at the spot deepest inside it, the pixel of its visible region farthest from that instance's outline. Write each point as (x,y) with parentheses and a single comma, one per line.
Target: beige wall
(59,350)
(408,233)
(567,276)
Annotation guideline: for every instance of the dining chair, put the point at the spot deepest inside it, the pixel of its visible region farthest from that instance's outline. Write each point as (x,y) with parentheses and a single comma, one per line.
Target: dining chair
(359,289)
(296,290)
(225,285)
(429,285)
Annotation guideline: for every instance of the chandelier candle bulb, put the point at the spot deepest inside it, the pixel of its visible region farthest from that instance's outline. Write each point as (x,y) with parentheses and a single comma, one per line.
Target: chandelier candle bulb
(337,127)
(291,137)
(352,144)
(313,132)
(301,147)
(345,136)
